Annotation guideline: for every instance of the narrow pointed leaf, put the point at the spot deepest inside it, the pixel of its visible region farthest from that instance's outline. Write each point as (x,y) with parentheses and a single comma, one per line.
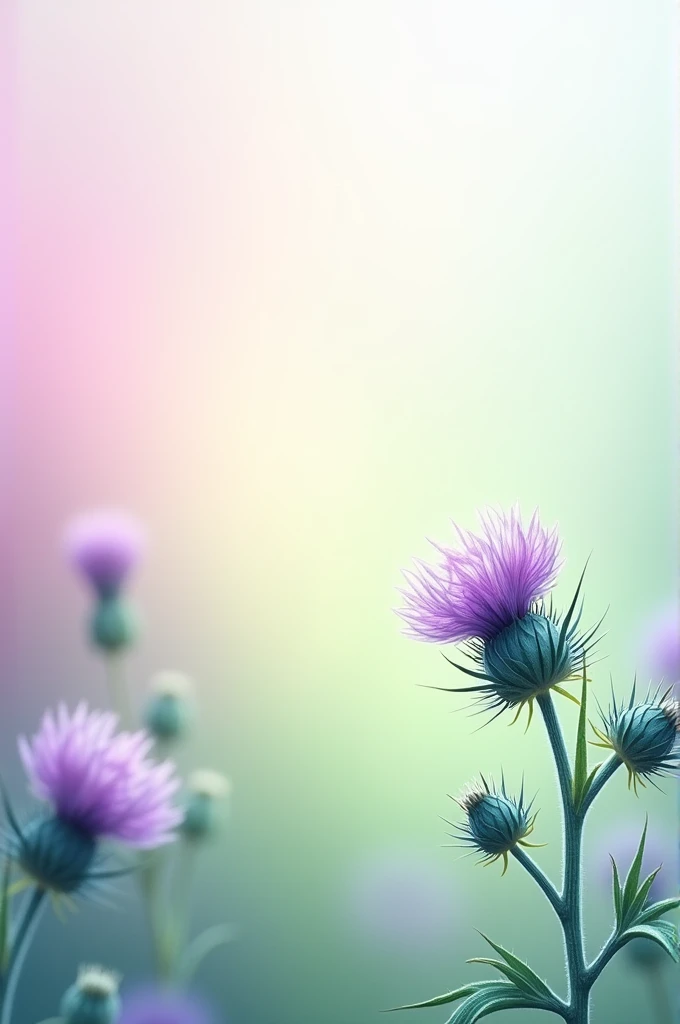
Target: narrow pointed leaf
(581,759)
(638,903)
(448,997)
(523,975)
(4,915)
(656,910)
(633,878)
(500,996)
(618,896)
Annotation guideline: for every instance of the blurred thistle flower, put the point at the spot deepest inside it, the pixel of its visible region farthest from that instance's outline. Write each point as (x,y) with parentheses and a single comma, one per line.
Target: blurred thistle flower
(100,784)
(165,1006)
(661,646)
(93,999)
(496,823)
(644,736)
(168,711)
(489,595)
(200,815)
(105,547)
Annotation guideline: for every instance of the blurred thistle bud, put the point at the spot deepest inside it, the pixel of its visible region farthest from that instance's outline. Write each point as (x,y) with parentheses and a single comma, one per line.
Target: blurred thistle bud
(496,823)
(168,711)
(644,736)
(93,999)
(56,854)
(201,818)
(105,547)
(113,625)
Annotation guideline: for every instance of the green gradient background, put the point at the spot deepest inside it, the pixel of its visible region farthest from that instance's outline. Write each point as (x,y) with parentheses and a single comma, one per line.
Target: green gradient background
(298,282)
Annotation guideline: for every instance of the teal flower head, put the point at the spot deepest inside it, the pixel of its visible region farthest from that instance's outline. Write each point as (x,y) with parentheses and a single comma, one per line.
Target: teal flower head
(167,715)
(643,735)
(496,823)
(93,999)
(492,596)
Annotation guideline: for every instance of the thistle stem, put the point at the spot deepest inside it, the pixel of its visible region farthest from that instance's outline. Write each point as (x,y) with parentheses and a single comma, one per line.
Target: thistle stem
(542,880)
(117,686)
(22,941)
(603,776)
(572,924)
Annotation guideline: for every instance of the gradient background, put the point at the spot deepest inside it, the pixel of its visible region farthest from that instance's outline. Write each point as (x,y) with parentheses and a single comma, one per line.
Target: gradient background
(295,283)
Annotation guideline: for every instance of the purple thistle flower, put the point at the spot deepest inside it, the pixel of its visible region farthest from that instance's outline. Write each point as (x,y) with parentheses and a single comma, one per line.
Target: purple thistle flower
(101,782)
(165,1006)
(105,547)
(491,581)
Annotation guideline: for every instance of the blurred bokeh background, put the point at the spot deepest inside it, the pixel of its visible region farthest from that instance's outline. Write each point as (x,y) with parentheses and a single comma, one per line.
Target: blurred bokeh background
(295,283)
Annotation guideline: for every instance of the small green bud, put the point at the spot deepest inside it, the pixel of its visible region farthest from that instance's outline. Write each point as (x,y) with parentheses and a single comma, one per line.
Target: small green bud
(496,823)
(168,712)
(93,999)
(201,818)
(113,626)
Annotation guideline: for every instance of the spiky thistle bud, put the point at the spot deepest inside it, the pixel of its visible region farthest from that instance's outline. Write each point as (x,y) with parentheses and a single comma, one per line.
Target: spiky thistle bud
(201,816)
(496,823)
(644,736)
(93,999)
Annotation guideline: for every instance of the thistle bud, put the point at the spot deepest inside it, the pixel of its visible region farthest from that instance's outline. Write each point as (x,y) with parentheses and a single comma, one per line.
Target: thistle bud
(56,854)
(113,625)
(201,817)
(495,822)
(168,711)
(527,658)
(644,736)
(93,999)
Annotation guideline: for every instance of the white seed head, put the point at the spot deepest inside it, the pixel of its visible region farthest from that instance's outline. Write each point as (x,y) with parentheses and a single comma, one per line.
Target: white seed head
(97,981)
(209,783)
(171,684)
(671,709)
(472,795)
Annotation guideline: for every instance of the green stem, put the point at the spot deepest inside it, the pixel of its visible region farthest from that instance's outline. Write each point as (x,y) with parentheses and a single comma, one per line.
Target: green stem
(542,880)
(117,686)
(150,879)
(571,896)
(603,776)
(22,941)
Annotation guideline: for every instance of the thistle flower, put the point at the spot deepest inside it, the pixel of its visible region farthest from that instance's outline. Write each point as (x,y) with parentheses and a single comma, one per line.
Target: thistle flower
(490,595)
(662,645)
(200,815)
(496,823)
(93,999)
(165,1006)
(168,711)
(644,736)
(105,547)
(99,784)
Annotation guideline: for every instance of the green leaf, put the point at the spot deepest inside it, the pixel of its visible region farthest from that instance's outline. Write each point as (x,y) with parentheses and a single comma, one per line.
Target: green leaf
(4,915)
(581,780)
(516,970)
(202,945)
(496,996)
(630,889)
(664,933)
(642,894)
(617,892)
(448,997)
(655,910)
